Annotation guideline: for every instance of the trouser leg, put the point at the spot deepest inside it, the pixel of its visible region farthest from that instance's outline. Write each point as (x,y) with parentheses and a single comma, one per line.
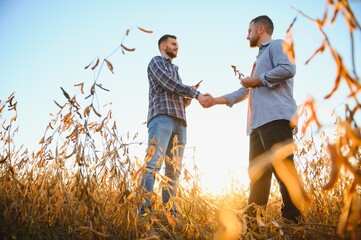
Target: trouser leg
(272,133)
(173,165)
(159,135)
(260,188)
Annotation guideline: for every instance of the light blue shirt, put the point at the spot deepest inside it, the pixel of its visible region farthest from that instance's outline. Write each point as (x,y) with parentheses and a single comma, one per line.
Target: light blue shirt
(274,99)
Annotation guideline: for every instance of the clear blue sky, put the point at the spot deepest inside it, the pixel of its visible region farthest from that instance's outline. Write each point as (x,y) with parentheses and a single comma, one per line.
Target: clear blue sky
(46,44)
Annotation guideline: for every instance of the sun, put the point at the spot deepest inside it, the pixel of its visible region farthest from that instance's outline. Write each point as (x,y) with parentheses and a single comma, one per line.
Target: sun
(216,176)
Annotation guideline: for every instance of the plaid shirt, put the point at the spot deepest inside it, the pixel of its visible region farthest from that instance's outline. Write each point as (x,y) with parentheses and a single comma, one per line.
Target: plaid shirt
(167,94)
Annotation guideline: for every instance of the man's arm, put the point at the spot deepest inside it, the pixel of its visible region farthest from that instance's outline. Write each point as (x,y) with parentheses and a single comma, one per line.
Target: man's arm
(187,101)
(251,82)
(283,70)
(214,101)
(157,70)
(229,99)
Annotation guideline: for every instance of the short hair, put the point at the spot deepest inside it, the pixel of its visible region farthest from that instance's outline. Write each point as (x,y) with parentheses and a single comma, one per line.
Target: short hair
(165,37)
(266,21)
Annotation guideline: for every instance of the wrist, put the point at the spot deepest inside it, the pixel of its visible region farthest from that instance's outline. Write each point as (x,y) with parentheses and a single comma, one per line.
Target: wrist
(196,95)
(257,82)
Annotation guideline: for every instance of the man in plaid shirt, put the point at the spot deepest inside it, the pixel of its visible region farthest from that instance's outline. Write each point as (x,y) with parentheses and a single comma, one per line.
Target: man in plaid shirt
(168,98)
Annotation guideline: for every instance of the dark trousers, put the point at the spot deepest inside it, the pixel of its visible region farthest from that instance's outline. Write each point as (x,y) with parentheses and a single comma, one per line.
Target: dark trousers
(261,140)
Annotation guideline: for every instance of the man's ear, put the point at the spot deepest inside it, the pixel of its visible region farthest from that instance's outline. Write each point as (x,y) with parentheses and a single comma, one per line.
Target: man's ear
(261,29)
(163,45)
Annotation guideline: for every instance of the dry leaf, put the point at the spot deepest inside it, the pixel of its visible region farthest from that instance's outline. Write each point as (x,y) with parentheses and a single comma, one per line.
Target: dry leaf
(72,153)
(96,64)
(313,118)
(81,87)
(127,49)
(136,174)
(229,226)
(87,66)
(10,99)
(110,65)
(260,164)
(291,25)
(2,108)
(236,71)
(59,104)
(74,134)
(98,114)
(321,23)
(319,50)
(86,111)
(354,217)
(65,93)
(287,172)
(132,194)
(353,134)
(259,219)
(143,30)
(3,159)
(170,219)
(92,89)
(343,222)
(186,174)
(101,86)
(339,64)
(337,162)
(13,107)
(288,48)
(337,6)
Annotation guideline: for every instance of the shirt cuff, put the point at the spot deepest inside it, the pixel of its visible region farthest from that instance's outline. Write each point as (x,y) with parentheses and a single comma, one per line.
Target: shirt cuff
(230,100)
(262,77)
(196,95)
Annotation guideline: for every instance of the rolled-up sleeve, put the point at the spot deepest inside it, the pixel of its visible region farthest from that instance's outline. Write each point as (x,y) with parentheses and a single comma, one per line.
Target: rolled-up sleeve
(236,96)
(282,70)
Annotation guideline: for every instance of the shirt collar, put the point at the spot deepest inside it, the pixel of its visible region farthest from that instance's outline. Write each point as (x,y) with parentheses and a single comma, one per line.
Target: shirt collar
(165,58)
(168,60)
(265,44)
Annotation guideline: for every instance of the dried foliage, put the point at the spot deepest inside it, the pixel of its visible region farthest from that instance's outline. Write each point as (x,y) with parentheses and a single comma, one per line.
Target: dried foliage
(82,183)
(344,153)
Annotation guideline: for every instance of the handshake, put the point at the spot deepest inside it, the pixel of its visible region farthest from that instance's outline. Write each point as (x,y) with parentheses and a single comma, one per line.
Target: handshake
(206,100)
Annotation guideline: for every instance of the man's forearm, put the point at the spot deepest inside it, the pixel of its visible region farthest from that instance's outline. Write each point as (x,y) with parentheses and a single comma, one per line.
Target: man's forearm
(220,100)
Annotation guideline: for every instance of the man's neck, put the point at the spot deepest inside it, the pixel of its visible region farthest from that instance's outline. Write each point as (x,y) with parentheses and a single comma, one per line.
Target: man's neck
(166,56)
(264,39)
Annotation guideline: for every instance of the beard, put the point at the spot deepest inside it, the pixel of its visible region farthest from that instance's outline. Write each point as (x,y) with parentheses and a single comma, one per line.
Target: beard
(170,53)
(253,42)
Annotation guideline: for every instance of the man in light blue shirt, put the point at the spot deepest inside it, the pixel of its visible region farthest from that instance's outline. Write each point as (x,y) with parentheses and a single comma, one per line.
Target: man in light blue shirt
(270,111)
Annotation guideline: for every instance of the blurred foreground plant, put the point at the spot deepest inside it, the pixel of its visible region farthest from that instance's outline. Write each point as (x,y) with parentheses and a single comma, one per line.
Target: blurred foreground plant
(344,153)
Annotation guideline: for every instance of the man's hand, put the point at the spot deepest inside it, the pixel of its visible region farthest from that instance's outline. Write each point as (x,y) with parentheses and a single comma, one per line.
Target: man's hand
(210,102)
(250,82)
(206,100)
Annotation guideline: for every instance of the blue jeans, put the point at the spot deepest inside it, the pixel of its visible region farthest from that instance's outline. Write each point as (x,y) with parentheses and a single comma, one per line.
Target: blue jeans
(167,136)
(261,140)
